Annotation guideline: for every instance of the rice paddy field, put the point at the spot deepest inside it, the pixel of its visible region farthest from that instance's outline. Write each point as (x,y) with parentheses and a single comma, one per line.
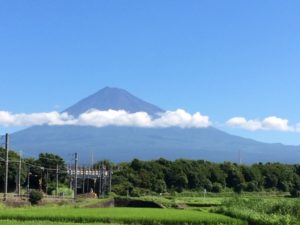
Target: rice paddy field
(234,210)
(16,222)
(147,216)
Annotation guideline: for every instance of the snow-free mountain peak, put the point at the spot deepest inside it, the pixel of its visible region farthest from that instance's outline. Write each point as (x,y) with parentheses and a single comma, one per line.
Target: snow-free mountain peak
(113,98)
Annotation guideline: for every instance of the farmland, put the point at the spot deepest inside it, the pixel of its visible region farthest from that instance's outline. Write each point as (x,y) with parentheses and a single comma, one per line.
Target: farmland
(181,192)
(263,211)
(16,222)
(218,210)
(117,215)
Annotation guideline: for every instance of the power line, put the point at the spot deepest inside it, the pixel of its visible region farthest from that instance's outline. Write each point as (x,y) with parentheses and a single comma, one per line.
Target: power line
(19,175)
(42,157)
(13,160)
(45,168)
(36,166)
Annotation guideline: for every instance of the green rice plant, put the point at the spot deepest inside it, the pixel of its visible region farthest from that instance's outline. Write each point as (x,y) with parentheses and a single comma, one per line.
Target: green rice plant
(119,215)
(172,201)
(16,222)
(261,211)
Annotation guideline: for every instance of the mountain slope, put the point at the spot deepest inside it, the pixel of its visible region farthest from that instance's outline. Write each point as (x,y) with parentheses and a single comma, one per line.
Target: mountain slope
(113,98)
(126,143)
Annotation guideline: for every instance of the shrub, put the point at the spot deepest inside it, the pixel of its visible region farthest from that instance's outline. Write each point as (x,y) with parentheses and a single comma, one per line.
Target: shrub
(295,193)
(239,188)
(65,191)
(217,188)
(35,197)
(207,185)
(252,186)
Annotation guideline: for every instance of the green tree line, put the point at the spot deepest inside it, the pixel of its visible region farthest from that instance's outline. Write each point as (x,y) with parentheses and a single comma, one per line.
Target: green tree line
(159,176)
(162,175)
(39,173)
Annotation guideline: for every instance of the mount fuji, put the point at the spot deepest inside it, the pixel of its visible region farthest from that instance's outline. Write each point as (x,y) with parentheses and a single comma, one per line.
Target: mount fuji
(118,143)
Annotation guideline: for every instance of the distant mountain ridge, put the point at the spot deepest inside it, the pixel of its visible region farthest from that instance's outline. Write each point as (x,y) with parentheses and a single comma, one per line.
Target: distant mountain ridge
(125,143)
(113,98)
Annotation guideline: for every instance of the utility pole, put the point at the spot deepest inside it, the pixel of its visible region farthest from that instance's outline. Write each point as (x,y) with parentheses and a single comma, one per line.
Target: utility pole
(100,183)
(88,178)
(56,180)
(104,180)
(76,162)
(110,177)
(41,180)
(47,179)
(70,176)
(28,182)
(83,181)
(6,166)
(19,177)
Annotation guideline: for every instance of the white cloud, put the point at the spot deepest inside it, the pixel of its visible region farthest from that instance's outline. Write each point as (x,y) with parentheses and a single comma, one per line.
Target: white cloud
(245,124)
(114,118)
(269,123)
(181,118)
(22,119)
(276,123)
(178,118)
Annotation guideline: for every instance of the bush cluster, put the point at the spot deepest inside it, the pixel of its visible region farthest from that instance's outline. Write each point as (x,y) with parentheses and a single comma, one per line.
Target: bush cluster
(35,197)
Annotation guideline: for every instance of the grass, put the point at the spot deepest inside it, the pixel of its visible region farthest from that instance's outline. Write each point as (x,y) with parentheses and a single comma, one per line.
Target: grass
(172,201)
(199,200)
(118,215)
(269,209)
(263,211)
(211,199)
(16,222)
(82,202)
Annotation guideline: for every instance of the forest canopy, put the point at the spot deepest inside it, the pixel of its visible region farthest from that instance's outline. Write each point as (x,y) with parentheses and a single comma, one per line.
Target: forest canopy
(161,176)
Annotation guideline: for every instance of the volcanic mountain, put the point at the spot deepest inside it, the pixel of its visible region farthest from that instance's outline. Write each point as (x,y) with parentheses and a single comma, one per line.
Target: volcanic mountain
(113,98)
(125,143)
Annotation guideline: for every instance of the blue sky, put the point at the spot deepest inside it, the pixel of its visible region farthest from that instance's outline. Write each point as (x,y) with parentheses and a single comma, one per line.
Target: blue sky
(221,58)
